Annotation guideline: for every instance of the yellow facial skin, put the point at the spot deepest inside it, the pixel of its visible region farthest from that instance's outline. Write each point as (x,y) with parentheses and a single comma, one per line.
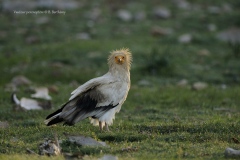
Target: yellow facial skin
(119,59)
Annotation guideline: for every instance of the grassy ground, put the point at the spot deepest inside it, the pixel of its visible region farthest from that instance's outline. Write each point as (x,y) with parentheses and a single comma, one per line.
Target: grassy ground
(159,120)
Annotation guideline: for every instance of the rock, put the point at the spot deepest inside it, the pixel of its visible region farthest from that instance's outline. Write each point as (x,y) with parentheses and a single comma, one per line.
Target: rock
(162,13)
(212,27)
(185,38)
(183,4)
(199,86)
(182,83)
(232,153)
(158,31)
(226,8)
(49,148)
(223,86)
(214,9)
(124,15)
(231,35)
(20,80)
(85,141)
(4,124)
(83,36)
(109,157)
(94,14)
(224,109)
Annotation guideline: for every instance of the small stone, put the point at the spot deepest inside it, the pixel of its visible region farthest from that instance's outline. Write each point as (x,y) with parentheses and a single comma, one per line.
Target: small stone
(185,38)
(124,15)
(109,157)
(85,141)
(199,86)
(232,153)
(183,4)
(4,124)
(212,27)
(226,8)
(20,80)
(214,9)
(223,86)
(162,13)
(83,36)
(158,31)
(49,148)
(94,14)
(183,83)
(231,35)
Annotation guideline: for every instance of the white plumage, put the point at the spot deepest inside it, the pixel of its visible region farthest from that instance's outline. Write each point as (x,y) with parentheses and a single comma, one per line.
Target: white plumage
(99,98)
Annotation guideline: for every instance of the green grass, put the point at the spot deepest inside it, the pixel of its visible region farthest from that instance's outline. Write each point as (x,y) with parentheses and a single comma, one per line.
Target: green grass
(159,121)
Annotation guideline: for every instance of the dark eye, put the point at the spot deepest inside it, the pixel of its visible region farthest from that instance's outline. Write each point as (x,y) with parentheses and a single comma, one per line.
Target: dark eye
(123,57)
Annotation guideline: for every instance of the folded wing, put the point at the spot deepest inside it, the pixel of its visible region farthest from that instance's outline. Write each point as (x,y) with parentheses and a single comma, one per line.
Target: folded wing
(88,100)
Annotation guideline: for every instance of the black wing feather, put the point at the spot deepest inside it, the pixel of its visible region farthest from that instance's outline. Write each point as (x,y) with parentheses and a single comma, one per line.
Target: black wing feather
(87,104)
(83,104)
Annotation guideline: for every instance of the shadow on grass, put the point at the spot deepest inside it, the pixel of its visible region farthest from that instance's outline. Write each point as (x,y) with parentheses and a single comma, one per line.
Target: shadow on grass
(213,128)
(194,133)
(122,138)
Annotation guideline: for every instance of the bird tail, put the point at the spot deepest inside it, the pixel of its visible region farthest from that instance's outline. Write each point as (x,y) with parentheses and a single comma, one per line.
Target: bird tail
(54,118)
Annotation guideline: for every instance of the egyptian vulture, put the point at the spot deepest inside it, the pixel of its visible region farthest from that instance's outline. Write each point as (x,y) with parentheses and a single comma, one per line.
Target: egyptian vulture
(99,98)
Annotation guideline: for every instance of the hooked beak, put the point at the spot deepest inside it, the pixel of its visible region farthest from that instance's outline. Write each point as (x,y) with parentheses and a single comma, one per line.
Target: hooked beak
(120,60)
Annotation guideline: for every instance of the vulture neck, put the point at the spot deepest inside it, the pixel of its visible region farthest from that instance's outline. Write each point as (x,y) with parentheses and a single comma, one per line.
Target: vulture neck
(120,72)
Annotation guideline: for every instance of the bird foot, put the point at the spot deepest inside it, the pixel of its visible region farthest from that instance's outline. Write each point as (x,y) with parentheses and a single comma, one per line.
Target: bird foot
(105,128)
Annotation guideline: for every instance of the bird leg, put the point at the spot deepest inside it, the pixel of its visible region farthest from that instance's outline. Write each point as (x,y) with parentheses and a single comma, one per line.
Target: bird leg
(100,125)
(106,127)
